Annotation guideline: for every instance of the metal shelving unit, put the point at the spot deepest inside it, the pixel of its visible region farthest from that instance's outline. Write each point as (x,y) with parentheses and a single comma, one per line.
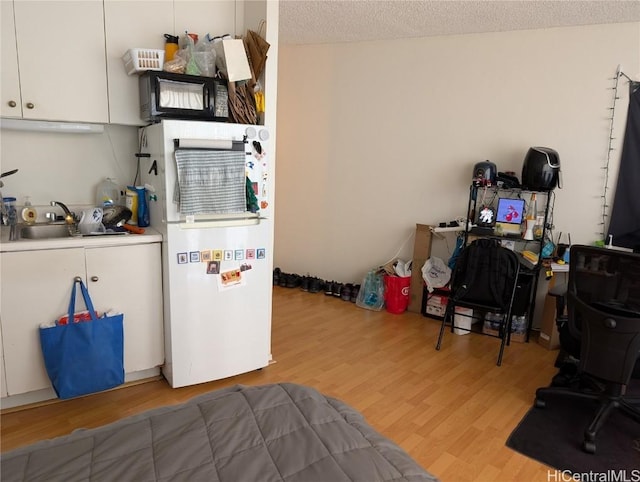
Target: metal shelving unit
(487,196)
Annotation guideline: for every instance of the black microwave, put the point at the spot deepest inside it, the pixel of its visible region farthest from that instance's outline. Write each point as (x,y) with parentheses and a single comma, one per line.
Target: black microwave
(165,95)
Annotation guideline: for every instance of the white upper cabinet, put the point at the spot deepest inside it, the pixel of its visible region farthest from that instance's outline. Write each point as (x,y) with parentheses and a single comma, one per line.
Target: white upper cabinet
(213,18)
(132,24)
(142,24)
(61,60)
(9,81)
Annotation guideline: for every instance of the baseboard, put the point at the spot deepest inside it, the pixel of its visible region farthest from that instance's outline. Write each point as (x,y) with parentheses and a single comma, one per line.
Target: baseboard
(47,396)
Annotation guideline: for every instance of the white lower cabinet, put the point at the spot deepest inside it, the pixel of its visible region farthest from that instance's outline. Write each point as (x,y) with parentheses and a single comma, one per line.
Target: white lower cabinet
(3,377)
(36,286)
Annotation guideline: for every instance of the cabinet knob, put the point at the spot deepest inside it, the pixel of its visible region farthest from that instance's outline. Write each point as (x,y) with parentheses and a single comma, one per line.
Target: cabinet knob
(30,105)
(12,103)
(94,279)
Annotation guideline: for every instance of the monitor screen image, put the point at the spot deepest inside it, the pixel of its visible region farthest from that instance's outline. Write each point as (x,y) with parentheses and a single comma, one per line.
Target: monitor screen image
(510,211)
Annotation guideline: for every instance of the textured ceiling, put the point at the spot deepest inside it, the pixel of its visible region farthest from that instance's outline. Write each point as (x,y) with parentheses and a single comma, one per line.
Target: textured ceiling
(331,21)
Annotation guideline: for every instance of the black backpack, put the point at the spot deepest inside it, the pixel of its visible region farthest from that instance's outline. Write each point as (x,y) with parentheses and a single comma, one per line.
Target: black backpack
(485,273)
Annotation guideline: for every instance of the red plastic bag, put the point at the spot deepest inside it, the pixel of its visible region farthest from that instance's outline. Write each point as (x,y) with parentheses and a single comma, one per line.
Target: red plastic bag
(77,317)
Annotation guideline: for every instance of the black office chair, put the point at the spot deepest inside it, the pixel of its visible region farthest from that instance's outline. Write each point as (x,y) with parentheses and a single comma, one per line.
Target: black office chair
(603,301)
(484,279)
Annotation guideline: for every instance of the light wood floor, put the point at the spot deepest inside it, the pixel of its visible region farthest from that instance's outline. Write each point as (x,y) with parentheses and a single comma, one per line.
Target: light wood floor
(451,410)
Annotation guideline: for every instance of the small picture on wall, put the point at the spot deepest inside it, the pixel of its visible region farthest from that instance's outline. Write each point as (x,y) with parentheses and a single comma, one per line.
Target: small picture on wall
(194,256)
(228,255)
(182,258)
(261,253)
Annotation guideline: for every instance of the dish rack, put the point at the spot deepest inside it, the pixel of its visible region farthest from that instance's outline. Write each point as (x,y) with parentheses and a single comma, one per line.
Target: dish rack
(140,60)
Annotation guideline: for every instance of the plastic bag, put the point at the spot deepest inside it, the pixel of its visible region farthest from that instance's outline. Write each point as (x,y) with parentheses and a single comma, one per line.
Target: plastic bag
(435,273)
(192,67)
(179,63)
(204,56)
(371,294)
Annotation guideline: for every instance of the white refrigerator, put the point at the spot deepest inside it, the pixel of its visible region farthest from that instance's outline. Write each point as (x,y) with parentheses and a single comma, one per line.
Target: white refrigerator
(217,248)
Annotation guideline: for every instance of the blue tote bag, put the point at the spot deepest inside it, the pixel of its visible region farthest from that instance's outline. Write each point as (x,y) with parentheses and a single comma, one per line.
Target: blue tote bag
(87,356)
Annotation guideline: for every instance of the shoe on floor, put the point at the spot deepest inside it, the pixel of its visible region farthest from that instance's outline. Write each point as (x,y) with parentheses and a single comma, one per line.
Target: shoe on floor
(336,288)
(316,285)
(305,283)
(354,293)
(328,287)
(294,281)
(345,292)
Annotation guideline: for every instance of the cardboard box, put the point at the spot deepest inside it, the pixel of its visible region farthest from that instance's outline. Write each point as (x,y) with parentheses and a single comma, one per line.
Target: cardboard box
(549,337)
(421,253)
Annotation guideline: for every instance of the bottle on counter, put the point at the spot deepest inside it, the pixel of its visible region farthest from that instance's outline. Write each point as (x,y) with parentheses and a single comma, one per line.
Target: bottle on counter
(108,193)
(29,214)
(532,212)
(10,216)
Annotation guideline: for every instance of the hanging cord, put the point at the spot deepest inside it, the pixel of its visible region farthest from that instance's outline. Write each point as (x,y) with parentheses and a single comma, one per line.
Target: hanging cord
(551,206)
(142,142)
(395,256)
(610,148)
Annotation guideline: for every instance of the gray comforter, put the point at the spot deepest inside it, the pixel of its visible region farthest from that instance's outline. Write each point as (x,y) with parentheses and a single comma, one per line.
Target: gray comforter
(264,433)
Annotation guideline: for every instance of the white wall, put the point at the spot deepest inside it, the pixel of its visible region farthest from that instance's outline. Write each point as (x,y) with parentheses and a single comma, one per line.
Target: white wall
(66,167)
(375,137)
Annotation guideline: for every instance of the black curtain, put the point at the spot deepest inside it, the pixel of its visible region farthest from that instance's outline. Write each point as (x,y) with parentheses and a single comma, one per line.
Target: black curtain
(625,215)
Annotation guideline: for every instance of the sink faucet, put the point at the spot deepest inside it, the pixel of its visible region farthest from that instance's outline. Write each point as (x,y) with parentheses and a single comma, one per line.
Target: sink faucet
(69,217)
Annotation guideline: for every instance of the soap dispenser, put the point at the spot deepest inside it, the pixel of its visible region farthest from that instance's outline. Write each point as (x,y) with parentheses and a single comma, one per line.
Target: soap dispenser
(28,213)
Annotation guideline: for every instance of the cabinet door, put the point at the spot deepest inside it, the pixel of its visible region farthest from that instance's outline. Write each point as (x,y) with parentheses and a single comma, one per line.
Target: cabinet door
(131,25)
(36,287)
(62,60)
(128,279)
(215,18)
(3,376)
(9,82)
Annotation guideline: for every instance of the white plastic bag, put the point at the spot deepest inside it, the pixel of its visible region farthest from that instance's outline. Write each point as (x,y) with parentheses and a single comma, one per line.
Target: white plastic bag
(435,273)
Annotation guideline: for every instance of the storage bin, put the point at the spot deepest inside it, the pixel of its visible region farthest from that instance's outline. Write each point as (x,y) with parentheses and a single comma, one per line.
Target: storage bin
(140,60)
(462,319)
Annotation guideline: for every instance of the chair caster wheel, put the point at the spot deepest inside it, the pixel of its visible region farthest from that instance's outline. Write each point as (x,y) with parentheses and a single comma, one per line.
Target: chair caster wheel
(589,446)
(539,403)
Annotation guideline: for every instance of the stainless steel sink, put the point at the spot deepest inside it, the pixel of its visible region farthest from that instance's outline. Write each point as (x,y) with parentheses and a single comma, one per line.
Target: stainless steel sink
(44,231)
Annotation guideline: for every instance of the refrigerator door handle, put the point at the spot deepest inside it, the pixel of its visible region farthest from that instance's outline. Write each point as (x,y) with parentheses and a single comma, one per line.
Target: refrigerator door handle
(223,223)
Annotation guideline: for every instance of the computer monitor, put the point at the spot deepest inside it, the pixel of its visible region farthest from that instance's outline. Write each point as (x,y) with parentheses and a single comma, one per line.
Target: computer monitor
(509,215)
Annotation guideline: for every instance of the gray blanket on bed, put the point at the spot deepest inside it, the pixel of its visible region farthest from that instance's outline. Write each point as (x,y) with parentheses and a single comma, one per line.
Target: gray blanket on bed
(265,433)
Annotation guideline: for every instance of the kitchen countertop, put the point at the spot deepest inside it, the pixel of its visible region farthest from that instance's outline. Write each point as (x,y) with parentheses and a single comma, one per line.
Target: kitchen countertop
(150,236)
